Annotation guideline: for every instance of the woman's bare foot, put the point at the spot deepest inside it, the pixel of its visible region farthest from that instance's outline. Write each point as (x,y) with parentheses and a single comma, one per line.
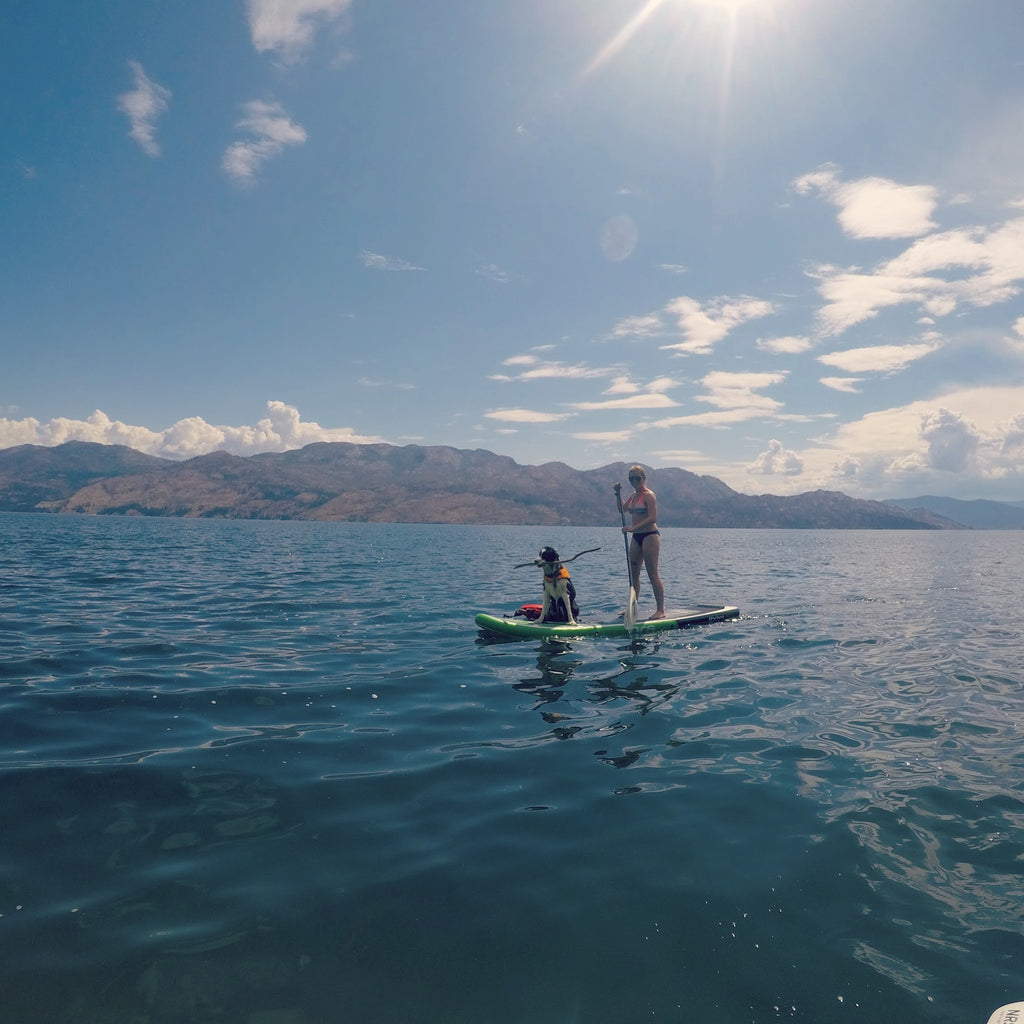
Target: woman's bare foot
(658,615)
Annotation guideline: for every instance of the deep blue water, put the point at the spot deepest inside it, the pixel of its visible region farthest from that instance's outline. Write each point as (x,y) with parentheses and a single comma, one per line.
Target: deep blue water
(268,773)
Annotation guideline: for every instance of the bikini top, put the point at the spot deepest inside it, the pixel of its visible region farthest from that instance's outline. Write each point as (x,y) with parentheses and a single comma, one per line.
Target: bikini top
(631,503)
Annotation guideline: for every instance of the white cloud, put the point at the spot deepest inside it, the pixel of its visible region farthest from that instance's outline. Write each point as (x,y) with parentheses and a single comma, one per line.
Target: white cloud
(997,254)
(976,266)
(842,384)
(852,296)
(1011,443)
(724,418)
(142,106)
(537,369)
(650,400)
(626,386)
(680,456)
(271,129)
(563,371)
(601,436)
(878,358)
(736,396)
(375,261)
(874,207)
(525,416)
(926,446)
(739,390)
(282,429)
(964,247)
(789,346)
(638,327)
(27,431)
(367,382)
(289,26)
(622,386)
(494,273)
(776,460)
(704,326)
(847,468)
(952,440)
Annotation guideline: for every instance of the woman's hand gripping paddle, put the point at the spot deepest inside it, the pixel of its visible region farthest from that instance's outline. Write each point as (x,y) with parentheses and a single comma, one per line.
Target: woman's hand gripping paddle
(629,616)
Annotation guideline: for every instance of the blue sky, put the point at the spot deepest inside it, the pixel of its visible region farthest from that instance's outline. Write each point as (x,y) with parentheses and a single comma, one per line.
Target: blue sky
(780,242)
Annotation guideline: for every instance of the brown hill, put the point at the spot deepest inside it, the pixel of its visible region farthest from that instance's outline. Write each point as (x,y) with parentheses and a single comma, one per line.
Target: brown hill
(32,476)
(384,483)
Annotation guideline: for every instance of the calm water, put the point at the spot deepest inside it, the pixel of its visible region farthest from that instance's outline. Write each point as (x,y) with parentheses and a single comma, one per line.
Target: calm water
(268,773)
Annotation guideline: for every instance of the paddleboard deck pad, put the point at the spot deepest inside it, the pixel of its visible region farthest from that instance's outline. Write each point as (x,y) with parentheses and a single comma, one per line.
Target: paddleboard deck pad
(675,618)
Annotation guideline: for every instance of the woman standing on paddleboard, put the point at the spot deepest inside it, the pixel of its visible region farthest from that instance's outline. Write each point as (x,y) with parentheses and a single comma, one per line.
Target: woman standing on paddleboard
(642,505)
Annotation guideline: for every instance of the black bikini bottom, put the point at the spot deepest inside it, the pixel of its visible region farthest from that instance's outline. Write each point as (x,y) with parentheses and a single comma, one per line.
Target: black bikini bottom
(641,537)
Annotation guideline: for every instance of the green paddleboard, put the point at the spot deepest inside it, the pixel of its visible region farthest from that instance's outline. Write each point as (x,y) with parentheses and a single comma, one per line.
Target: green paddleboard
(676,618)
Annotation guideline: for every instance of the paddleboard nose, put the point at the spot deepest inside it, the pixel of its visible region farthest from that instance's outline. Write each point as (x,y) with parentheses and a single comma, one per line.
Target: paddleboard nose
(1011,1013)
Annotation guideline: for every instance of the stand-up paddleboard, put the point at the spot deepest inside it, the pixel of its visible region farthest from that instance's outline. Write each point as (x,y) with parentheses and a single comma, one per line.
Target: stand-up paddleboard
(1012,1013)
(676,618)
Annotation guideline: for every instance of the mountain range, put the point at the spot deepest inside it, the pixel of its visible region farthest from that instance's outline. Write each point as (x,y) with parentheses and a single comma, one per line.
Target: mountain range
(978,514)
(429,484)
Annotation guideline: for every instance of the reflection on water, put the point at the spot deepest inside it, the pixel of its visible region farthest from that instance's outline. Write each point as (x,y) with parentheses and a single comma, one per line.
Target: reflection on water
(899,739)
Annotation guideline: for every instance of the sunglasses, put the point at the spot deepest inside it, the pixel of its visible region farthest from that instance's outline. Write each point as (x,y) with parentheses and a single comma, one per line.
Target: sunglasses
(635,479)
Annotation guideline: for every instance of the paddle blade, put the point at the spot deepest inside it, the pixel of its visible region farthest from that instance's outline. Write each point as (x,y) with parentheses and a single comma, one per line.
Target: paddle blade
(629,618)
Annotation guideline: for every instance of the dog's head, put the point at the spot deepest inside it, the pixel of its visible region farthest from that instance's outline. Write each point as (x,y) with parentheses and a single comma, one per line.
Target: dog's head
(548,556)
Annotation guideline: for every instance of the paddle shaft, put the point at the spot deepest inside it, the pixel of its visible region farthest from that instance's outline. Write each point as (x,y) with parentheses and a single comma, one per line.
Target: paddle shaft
(625,536)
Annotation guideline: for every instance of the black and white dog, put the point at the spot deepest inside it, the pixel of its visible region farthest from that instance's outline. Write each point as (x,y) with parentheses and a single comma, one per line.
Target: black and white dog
(559,593)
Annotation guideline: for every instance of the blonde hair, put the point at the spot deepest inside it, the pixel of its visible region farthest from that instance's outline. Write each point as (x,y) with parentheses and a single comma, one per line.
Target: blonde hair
(638,469)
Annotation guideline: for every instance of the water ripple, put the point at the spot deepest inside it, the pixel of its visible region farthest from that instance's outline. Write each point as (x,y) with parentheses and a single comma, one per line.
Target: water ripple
(269,768)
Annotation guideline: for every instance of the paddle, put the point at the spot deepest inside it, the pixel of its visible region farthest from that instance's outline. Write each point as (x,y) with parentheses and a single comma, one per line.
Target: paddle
(629,616)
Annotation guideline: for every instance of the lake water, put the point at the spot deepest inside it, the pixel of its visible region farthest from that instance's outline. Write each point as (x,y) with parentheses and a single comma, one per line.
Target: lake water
(269,773)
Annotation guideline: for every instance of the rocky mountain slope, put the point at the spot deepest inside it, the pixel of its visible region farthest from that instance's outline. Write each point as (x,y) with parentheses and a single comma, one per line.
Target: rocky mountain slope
(33,477)
(412,483)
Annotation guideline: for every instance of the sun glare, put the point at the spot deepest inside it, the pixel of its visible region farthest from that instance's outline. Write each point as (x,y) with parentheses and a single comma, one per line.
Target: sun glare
(619,40)
(728,14)
(729,6)
(714,65)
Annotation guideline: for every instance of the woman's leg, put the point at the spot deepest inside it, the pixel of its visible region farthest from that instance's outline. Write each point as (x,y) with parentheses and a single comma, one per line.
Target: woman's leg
(651,549)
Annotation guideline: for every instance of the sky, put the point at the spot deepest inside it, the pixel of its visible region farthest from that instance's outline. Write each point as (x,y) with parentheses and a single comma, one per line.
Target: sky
(777,242)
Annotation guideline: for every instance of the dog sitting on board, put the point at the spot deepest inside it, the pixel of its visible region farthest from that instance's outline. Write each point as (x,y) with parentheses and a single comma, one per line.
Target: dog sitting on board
(559,593)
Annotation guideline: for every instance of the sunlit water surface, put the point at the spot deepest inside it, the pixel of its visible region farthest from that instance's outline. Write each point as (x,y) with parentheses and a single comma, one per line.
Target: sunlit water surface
(269,773)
